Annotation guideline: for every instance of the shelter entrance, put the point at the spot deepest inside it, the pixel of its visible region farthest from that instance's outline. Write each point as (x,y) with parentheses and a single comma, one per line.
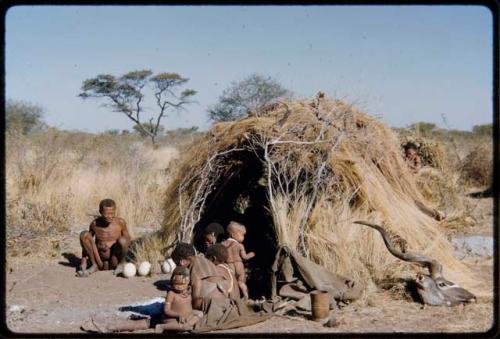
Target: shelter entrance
(242,197)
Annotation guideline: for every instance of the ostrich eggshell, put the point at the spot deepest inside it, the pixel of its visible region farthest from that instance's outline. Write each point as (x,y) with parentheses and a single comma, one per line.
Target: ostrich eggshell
(168,266)
(172,264)
(144,268)
(129,270)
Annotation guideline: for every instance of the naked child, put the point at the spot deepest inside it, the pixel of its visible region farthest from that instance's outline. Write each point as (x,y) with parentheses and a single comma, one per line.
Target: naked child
(237,253)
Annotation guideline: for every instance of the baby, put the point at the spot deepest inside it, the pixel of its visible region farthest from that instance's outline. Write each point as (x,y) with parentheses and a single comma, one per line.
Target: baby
(178,310)
(237,253)
(218,254)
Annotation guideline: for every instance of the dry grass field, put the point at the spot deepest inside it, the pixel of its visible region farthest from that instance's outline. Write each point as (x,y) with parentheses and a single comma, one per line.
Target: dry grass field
(55,180)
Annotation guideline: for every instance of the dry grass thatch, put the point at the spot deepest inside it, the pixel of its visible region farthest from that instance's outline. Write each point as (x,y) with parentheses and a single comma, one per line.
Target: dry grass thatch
(477,167)
(323,164)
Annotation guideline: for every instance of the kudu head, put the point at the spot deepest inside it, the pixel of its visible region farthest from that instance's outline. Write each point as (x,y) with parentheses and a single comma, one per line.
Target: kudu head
(434,289)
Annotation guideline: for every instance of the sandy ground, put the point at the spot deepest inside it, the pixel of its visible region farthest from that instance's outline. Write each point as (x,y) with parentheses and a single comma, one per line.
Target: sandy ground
(45,296)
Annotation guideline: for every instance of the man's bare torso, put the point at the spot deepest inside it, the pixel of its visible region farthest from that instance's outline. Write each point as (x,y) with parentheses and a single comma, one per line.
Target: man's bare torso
(106,234)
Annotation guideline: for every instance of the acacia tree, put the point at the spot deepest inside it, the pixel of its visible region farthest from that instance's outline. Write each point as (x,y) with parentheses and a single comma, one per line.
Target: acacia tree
(126,94)
(242,97)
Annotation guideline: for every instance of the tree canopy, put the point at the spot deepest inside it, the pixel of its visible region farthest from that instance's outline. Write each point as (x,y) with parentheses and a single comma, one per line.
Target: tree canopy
(486,129)
(127,94)
(242,97)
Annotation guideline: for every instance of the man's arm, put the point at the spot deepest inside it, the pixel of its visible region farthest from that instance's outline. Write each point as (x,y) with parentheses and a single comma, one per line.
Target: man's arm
(196,293)
(96,254)
(125,230)
(91,228)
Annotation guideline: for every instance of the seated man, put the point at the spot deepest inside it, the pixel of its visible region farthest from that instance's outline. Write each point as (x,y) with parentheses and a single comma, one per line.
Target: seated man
(206,280)
(111,243)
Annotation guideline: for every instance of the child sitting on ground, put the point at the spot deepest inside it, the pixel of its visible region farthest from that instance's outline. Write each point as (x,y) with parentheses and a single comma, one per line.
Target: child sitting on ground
(178,310)
(237,253)
(218,254)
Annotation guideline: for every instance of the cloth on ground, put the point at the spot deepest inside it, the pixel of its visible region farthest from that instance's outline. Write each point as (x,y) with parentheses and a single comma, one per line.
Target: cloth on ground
(299,276)
(225,313)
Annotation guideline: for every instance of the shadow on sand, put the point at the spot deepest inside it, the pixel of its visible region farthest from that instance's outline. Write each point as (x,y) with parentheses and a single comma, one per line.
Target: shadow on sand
(152,309)
(72,260)
(162,285)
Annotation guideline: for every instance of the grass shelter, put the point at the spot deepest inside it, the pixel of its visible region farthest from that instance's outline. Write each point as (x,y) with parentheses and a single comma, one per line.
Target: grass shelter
(298,173)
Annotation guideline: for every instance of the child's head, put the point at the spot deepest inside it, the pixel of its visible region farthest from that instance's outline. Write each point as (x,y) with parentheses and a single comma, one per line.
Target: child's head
(211,233)
(180,279)
(182,254)
(236,231)
(217,253)
(107,208)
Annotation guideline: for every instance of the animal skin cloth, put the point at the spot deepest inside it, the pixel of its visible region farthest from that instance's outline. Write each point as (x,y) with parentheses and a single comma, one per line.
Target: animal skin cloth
(296,276)
(203,268)
(225,313)
(220,313)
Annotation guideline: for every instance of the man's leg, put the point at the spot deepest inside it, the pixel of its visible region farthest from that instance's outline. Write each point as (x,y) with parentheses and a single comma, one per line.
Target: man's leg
(118,254)
(85,257)
(90,251)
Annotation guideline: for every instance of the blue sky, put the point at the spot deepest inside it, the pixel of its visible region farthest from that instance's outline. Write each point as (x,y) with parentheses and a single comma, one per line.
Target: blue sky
(400,63)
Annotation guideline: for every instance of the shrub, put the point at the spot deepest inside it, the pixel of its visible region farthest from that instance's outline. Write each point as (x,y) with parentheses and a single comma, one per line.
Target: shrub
(477,167)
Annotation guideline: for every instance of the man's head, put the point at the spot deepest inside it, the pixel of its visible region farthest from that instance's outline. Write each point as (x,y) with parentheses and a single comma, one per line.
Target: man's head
(107,208)
(236,231)
(411,150)
(180,279)
(182,254)
(211,233)
(217,253)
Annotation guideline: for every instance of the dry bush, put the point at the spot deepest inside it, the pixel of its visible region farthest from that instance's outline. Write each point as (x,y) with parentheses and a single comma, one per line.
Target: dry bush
(55,180)
(476,169)
(324,165)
